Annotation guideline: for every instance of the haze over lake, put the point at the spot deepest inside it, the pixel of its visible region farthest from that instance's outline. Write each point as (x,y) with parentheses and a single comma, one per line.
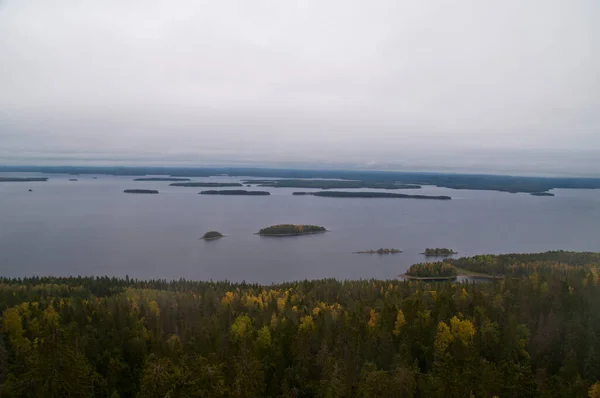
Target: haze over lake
(90,227)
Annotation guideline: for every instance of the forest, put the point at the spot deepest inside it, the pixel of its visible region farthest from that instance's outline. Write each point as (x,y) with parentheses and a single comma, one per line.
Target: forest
(535,333)
(291,229)
(438,252)
(431,270)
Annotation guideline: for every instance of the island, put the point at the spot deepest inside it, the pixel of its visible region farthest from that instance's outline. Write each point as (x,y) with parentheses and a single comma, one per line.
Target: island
(235,192)
(23,179)
(346,194)
(431,271)
(161,179)
(380,251)
(541,194)
(150,191)
(212,235)
(206,184)
(291,230)
(73,179)
(330,184)
(437,252)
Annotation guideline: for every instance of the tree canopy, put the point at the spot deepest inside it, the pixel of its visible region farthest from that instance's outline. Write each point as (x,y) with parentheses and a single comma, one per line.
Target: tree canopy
(535,333)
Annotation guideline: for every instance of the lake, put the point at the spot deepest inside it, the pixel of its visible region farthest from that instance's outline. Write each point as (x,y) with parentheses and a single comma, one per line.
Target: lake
(90,227)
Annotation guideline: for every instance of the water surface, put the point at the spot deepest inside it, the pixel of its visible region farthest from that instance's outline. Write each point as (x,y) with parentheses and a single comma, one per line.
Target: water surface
(90,227)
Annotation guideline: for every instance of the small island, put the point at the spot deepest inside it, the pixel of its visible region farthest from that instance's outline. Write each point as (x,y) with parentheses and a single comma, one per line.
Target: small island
(346,194)
(380,251)
(212,235)
(150,191)
(206,184)
(330,184)
(73,179)
(23,179)
(541,194)
(291,230)
(431,271)
(437,252)
(161,179)
(236,192)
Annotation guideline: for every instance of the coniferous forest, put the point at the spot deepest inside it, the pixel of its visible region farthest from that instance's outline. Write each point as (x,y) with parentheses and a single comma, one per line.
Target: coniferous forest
(533,333)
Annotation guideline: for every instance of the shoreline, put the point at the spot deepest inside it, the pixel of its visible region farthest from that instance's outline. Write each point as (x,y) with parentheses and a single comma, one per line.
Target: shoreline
(428,278)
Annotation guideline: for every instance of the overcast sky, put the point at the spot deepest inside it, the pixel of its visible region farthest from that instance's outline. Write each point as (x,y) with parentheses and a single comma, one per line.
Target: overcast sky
(468,85)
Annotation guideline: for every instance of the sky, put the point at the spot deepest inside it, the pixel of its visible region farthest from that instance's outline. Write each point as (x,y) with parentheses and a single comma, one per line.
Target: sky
(506,86)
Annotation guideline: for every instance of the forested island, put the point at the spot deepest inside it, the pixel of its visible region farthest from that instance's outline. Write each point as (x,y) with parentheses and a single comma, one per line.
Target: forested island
(206,184)
(235,192)
(330,184)
(23,179)
(291,230)
(432,271)
(344,194)
(380,251)
(541,194)
(161,179)
(438,252)
(142,191)
(535,333)
(212,235)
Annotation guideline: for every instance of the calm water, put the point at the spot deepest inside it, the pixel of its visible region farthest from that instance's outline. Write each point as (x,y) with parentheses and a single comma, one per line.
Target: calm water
(90,227)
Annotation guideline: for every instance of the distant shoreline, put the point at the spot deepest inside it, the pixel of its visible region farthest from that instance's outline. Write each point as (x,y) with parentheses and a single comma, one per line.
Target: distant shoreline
(236,192)
(366,178)
(23,179)
(141,191)
(369,195)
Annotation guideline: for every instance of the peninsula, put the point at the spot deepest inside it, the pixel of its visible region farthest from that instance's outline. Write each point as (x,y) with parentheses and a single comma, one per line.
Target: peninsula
(291,230)
(431,271)
(212,235)
(437,252)
(161,179)
(206,184)
(346,194)
(151,191)
(23,179)
(236,192)
(380,251)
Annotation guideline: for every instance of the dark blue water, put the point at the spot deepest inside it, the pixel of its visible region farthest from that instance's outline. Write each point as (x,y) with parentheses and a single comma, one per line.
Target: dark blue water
(90,227)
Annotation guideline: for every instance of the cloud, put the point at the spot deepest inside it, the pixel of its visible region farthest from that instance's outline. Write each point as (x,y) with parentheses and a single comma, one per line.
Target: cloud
(342,82)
